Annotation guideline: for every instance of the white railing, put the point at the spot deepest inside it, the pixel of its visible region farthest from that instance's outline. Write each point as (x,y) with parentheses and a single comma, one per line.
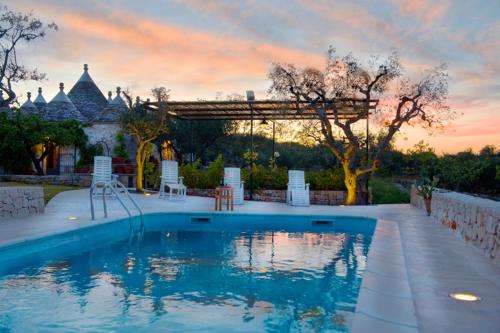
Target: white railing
(112,186)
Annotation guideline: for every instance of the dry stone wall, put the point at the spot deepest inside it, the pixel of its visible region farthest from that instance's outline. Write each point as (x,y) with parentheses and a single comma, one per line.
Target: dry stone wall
(476,219)
(19,201)
(316,197)
(83,180)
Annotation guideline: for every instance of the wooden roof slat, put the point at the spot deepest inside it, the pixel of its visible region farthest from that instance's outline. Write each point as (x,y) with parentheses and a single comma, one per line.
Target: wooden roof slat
(264,109)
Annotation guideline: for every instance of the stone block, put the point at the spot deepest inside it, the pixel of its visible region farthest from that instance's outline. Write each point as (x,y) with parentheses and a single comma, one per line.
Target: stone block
(491,225)
(18,201)
(477,219)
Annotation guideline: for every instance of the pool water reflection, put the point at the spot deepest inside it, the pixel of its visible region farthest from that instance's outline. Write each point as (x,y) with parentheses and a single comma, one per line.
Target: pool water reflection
(221,281)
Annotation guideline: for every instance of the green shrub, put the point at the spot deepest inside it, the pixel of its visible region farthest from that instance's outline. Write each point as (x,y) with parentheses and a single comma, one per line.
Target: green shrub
(151,170)
(88,152)
(195,177)
(266,179)
(384,191)
(191,173)
(120,150)
(326,180)
(466,172)
(277,179)
(214,173)
(152,174)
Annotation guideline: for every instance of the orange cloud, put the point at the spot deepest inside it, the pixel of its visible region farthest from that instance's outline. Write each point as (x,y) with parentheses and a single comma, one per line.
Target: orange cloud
(162,49)
(427,11)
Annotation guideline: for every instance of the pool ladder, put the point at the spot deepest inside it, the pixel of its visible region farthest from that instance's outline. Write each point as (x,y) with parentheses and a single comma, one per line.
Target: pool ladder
(112,185)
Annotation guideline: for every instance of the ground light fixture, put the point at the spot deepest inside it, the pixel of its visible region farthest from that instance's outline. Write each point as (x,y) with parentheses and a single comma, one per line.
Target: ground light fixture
(147,194)
(72,218)
(466,297)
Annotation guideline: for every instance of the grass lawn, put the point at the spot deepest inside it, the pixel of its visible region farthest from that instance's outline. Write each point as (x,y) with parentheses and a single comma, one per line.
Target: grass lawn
(49,190)
(384,191)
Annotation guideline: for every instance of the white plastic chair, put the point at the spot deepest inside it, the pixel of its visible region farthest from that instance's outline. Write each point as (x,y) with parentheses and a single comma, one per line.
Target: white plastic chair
(232,177)
(297,193)
(170,178)
(103,173)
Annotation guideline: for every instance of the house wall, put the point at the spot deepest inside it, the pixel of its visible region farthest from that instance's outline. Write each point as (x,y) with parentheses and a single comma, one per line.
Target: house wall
(477,220)
(103,132)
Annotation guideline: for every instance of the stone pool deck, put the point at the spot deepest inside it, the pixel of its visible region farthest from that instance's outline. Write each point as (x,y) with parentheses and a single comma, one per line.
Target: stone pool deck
(413,265)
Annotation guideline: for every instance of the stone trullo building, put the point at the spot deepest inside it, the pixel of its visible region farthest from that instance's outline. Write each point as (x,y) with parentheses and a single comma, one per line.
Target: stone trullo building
(85,103)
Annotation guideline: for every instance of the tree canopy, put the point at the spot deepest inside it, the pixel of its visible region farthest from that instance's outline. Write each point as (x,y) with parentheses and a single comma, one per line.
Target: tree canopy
(195,137)
(15,29)
(145,123)
(20,136)
(422,102)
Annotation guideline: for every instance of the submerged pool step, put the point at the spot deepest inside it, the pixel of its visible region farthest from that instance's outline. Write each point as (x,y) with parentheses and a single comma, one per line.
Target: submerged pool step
(322,222)
(201,219)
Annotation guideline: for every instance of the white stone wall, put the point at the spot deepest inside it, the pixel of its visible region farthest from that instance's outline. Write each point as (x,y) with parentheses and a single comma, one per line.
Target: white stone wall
(476,219)
(18,201)
(103,132)
(415,199)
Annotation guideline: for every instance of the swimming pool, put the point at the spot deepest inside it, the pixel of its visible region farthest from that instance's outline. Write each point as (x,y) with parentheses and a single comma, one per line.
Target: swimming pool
(189,272)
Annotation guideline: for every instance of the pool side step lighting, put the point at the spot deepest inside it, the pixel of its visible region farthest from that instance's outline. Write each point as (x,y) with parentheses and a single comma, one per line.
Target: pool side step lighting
(72,218)
(466,297)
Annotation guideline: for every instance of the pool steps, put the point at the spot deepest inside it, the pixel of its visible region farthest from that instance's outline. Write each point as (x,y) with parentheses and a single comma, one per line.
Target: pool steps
(112,185)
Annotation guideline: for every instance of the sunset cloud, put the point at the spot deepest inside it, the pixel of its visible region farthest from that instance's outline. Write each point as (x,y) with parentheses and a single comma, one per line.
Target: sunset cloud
(426,11)
(198,48)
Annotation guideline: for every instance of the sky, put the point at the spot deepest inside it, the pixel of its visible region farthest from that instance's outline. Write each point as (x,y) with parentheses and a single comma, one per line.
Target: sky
(203,48)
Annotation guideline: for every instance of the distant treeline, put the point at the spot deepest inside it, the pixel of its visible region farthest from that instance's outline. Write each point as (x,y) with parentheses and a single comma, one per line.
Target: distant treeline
(464,171)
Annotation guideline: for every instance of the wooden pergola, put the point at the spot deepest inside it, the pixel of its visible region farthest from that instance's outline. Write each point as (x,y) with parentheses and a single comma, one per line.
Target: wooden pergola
(269,110)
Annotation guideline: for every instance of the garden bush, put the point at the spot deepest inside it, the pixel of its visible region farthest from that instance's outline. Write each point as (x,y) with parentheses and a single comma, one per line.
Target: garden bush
(195,177)
(329,179)
(467,172)
(264,178)
(384,191)
(87,153)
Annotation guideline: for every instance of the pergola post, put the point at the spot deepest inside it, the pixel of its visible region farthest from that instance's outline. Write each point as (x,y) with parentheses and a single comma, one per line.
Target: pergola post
(274,139)
(250,99)
(367,185)
(191,144)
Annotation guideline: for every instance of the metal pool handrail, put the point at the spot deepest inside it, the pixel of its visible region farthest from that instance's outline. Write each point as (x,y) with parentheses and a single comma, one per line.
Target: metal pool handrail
(111,186)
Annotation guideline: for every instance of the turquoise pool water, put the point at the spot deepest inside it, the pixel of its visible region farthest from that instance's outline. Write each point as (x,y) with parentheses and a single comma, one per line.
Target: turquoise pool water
(201,273)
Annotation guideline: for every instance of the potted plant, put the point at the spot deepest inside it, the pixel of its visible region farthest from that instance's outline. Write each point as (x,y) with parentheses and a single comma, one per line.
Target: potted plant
(425,189)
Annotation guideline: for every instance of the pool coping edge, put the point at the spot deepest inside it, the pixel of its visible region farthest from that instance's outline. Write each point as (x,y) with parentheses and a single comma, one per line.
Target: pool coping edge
(381,304)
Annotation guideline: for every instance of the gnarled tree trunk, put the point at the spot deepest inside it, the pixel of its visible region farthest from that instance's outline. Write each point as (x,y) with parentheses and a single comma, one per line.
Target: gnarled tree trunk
(139,165)
(350,180)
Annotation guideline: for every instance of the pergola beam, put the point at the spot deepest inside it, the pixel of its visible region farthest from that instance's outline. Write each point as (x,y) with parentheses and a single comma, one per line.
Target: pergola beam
(267,109)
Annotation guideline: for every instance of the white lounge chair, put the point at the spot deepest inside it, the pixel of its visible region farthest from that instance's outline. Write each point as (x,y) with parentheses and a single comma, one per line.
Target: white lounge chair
(297,193)
(103,174)
(170,178)
(232,177)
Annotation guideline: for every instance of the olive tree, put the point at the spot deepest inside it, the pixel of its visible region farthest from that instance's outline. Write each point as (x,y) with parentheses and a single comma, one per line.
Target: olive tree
(15,29)
(145,121)
(420,101)
(24,133)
